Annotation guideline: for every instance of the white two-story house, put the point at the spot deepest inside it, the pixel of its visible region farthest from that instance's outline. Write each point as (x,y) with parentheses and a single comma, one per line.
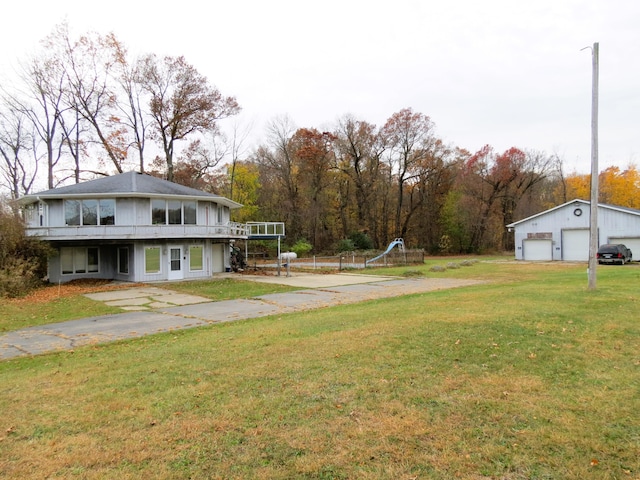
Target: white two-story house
(133,227)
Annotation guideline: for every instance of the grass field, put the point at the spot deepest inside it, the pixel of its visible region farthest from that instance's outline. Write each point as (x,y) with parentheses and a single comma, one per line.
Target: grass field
(529,376)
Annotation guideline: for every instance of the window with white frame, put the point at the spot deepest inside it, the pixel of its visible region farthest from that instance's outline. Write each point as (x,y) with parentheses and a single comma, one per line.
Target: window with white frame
(90,212)
(190,215)
(196,258)
(79,260)
(173,212)
(152,260)
(158,212)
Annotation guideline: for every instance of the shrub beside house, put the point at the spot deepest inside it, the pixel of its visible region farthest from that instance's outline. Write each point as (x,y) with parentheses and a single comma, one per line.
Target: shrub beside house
(23,260)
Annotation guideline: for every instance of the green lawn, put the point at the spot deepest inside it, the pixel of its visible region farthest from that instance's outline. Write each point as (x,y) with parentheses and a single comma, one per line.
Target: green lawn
(22,313)
(529,376)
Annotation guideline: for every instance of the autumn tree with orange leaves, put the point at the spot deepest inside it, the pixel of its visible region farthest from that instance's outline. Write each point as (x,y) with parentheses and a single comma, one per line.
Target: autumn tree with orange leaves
(616,187)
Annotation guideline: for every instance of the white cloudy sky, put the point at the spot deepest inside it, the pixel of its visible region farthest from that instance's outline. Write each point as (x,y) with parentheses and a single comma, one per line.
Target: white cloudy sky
(499,72)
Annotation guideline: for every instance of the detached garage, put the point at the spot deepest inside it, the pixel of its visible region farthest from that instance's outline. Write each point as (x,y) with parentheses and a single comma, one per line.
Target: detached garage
(562,233)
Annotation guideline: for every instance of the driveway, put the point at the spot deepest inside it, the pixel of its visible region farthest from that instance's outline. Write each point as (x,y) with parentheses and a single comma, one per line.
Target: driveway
(154,310)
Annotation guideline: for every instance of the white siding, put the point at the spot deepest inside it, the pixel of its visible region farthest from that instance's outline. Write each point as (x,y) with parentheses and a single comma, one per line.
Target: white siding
(142,211)
(552,224)
(55,210)
(204,214)
(125,211)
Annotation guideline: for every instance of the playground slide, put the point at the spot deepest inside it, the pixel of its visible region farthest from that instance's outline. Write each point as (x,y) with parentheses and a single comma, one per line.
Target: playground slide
(397,242)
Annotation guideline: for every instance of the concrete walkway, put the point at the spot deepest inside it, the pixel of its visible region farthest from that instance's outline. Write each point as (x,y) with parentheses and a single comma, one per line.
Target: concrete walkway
(145,298)
(163,310)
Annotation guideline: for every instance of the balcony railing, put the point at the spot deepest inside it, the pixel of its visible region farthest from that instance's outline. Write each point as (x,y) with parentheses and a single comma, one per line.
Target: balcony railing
(132,232)
(266,229)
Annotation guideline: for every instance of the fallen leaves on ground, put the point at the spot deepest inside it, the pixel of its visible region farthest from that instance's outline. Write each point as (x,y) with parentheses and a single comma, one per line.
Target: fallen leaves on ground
(48,293)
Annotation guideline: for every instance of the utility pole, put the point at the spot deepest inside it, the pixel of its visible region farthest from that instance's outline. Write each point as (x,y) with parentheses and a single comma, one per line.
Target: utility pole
(593,225)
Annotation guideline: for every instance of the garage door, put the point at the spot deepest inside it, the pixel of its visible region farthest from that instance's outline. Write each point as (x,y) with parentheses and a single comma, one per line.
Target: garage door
(631,243)
(537,249)
(575,245)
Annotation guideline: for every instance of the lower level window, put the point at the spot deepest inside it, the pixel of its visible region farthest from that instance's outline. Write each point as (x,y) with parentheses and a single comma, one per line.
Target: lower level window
(123,260)
(152,260)
(195,258)
(79,260)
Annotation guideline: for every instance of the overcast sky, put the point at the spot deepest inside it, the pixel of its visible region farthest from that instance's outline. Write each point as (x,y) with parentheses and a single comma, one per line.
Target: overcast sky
(498,72)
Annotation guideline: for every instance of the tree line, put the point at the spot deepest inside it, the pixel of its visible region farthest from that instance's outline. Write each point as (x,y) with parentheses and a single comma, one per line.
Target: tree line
(83,108)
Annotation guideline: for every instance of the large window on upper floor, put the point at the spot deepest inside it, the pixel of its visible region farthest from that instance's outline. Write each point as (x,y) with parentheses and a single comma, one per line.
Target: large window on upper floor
(173,212)
(90,212)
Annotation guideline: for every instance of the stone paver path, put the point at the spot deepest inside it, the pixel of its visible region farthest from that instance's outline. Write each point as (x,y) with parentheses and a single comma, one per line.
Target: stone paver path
(145,298)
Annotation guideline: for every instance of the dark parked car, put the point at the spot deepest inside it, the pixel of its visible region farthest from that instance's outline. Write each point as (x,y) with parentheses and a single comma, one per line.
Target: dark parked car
(614,253)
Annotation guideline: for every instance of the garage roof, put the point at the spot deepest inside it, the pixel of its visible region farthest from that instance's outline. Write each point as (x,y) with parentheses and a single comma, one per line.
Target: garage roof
(576,202)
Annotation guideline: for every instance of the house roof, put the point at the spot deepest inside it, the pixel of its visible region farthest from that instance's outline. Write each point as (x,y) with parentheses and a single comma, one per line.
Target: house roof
(129,184)
(576,202)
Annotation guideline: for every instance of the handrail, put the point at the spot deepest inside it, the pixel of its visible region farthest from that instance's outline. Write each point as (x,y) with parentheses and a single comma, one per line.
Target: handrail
(266,229)
(230,229)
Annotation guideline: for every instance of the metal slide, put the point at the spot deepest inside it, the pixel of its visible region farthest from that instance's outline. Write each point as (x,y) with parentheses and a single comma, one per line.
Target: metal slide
(397,242)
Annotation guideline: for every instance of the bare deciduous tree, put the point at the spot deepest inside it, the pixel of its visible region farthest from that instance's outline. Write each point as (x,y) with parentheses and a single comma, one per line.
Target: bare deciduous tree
(88,64)
(409,138)
(41,99)
(182,102)
(19,157)
(128,77)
